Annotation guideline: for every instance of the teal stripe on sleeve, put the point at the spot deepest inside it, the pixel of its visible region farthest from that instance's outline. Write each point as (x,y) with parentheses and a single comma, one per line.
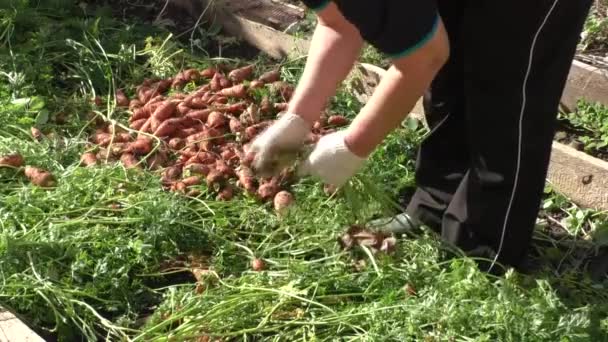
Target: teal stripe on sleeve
(321,6)
(421,43)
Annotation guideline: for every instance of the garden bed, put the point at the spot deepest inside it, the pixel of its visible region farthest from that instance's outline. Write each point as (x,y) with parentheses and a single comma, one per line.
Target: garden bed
(113,252)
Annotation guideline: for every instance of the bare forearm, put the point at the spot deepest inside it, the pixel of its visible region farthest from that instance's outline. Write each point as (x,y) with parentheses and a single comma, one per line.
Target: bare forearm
(392,101)
(333,52)
(396,95)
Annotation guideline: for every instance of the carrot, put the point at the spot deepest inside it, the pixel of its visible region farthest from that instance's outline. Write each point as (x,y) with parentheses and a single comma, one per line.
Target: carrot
(138,124)
(179,82)
(117,148)
(164,111)
(228,154)
(214,177)
(224,82)
(198,168)
(235,125)
(265,105)
(233,108)
(122,137)
(142,145)
(147,94)
(282,201)
(146,126)
(158,160)
(129,161)
(193,193)
(226,170)
(246,179)
(36,133)
(281,107)
(252,131)
(102,139)
(207,97)
(179,187)
(198,103)
(39,176)
(219,100)
(205,157)
(218,82)
(176,143)
(88,159)
(270,76)
(139,113)
(168,127)
(183,108)
(104,154)
(194,138)
(268,190)
(154,124)
(192,74)
(121,99)
(192,180)
(238,91)
(98,101)
(258,265)
(206,145)
(200,115)
(178,96)
(12,160)
(172,173)
(135,103)
(337,120)
(241,74)
(216,119)
(248,160)
(285,90)
(317,125)
(208,73)
(256,84)
(163,85)
(226,194)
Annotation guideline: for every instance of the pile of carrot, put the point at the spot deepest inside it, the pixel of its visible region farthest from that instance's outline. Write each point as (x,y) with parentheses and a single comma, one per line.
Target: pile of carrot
(204,133)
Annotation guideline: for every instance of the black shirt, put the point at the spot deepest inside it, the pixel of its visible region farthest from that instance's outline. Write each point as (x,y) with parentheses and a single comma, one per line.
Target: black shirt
(394,27)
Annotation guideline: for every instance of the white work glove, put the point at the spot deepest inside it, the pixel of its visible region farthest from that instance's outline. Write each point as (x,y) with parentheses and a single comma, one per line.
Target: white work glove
(285,137)
(331,160)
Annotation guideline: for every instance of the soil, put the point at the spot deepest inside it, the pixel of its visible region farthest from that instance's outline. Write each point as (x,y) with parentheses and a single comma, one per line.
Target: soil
(569,135)
(183,19)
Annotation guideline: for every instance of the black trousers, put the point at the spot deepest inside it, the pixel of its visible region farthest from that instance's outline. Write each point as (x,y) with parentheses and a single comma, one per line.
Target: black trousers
(492,111)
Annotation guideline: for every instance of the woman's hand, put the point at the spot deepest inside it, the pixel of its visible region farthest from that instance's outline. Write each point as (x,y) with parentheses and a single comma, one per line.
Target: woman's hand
(286,136)
(332,161)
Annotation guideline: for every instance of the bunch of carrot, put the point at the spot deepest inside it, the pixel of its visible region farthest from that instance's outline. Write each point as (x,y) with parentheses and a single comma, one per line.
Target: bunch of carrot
(204,134)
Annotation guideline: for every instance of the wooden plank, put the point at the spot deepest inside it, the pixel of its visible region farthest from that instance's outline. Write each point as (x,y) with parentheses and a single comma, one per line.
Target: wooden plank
(273,42)
(579,176)
(13,330)
(585,82)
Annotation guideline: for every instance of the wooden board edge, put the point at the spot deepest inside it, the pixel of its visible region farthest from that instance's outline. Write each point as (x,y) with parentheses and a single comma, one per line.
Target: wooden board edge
(584,82)
(579,176)
(12,329)
(272,42)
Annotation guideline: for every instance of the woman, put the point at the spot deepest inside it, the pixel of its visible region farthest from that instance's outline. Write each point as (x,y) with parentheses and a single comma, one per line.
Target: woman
(492,106)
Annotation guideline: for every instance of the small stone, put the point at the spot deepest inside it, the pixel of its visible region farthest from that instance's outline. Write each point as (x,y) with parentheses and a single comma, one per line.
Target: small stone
(559,136)
(577,145)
